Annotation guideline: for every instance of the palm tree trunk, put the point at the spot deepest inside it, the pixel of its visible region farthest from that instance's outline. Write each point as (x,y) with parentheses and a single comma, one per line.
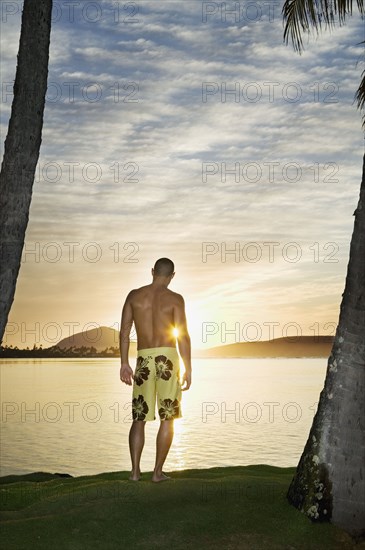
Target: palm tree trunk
(329,480)
(22,145)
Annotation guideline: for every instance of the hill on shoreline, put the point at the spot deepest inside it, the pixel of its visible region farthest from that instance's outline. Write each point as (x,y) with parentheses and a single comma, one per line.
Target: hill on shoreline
(104,342)
(300,346)
(99,338)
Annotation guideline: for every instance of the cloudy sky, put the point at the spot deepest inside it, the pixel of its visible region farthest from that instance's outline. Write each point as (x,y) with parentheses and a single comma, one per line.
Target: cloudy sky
(183,129)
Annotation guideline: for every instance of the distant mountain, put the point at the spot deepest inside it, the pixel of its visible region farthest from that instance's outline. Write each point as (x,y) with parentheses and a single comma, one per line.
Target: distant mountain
(104,342)
(300,346)
(98,338)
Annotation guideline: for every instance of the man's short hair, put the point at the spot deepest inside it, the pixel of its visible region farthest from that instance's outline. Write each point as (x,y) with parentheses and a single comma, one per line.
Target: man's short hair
(164,267)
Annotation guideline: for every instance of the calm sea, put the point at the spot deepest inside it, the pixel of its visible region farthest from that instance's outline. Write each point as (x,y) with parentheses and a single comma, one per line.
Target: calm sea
(73,416)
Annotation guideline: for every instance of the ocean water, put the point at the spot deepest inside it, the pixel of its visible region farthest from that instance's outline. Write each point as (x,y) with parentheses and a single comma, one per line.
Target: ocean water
(73,416)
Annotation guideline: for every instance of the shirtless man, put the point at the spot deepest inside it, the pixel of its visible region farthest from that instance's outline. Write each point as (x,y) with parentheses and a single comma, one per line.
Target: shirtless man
(156,311)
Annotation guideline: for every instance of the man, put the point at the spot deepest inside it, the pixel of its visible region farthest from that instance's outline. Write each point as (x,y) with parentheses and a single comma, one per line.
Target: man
(159,318)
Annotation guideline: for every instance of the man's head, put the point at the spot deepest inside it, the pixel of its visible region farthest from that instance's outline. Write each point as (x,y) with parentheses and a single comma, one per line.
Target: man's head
(163,268)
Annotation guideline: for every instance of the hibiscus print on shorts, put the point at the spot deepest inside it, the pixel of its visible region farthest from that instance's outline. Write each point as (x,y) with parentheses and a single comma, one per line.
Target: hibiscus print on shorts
(139,408)
(142,372)
(163,367)
(169,409)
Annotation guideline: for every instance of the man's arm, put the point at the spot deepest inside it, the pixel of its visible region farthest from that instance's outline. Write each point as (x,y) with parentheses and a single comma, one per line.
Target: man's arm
(183,340)
(126,372)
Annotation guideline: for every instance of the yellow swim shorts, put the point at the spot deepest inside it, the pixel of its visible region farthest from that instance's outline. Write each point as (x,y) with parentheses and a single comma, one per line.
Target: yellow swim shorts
(157,372)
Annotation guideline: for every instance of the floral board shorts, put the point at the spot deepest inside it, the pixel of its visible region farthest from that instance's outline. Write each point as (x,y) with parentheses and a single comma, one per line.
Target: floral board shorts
(157,373)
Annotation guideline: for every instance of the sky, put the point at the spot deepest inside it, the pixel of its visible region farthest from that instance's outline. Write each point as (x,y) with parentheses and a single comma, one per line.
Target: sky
(189,130)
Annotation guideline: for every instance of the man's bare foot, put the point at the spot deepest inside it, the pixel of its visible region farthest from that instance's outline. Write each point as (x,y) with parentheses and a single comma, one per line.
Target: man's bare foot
(161,477)
(135,477)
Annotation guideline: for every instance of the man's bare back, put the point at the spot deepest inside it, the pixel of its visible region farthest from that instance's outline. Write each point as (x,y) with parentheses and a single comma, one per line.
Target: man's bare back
(156,310)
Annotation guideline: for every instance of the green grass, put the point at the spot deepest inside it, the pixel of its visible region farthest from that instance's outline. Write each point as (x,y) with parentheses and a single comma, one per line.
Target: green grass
(217,508)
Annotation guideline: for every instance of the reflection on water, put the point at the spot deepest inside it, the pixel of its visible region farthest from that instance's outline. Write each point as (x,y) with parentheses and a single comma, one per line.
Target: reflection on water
(66,415)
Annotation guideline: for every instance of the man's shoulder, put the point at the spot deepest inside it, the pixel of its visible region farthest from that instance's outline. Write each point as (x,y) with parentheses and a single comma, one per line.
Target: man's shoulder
(135,291)
(178,298)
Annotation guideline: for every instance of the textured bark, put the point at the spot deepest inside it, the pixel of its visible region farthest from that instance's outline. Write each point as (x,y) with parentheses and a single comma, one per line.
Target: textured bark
(329,480)
(22,145)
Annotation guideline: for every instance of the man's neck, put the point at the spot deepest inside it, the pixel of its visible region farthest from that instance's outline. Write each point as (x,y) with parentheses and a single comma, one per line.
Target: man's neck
(160,282)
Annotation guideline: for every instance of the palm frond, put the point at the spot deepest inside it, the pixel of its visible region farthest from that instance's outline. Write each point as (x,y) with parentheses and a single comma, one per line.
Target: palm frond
(360,94)
(360,97)
(301,15)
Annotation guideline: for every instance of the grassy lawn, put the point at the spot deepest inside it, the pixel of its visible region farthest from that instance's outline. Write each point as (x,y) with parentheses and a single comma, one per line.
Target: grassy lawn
(225,508)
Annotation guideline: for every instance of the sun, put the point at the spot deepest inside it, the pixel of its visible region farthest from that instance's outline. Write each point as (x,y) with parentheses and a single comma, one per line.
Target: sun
(196,316)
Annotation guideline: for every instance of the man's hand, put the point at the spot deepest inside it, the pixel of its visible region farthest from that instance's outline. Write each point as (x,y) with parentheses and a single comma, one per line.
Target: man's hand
(187,380)
(126,374)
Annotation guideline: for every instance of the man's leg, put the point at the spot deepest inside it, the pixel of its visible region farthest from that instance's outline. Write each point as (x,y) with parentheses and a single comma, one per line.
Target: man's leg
(136,442)
(163,444)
